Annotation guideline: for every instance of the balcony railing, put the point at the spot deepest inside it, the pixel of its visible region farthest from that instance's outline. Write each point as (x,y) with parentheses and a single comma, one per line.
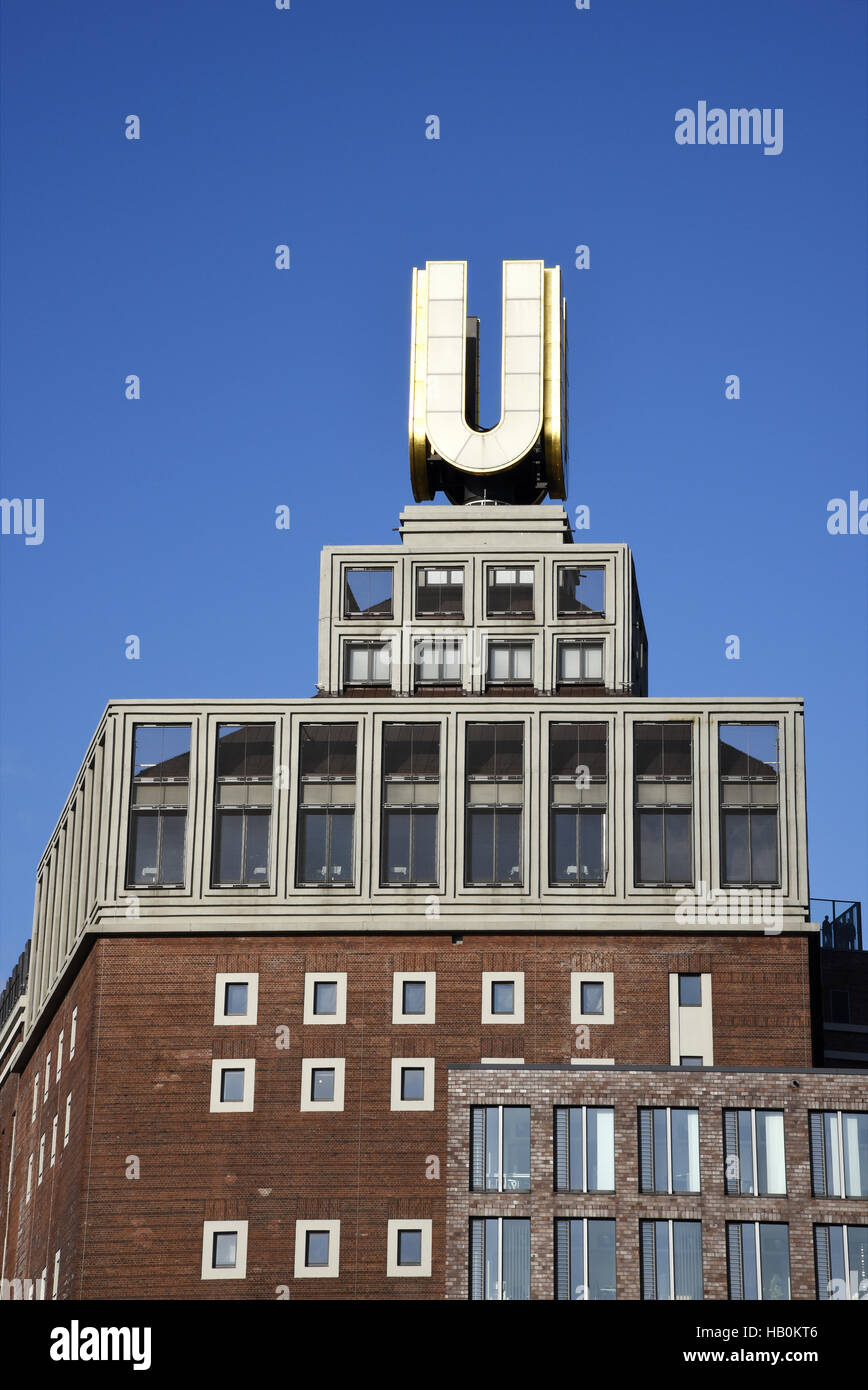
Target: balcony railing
(841,923)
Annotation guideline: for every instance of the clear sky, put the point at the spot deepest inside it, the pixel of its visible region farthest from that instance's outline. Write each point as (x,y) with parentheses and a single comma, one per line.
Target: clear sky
(262,387)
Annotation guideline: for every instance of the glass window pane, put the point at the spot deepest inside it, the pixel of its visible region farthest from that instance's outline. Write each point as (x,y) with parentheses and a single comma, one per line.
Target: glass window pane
(764,846)
(412,1083)
(322,1083)
(369,592)
(498,663)
(230,829)
(256,863)
(516,1148)
(174,824)
(521,666)
(409,1247)
(676,750)
(687,1251)
(735,847)
(161,751)
(855,1155)
(592,998)
(235,999)
(601,1260)
(492,1261)
(648,750)
(509,739)
(231,746)
(745,1152)
(601,1150)
(480,757)
(231,1084)
(492,1148)
(424,863)
(661,1164)
(503,997)
(480,833)
(325,997)
(661,1258)
(414,997)
(508,847)
(312,846)
(750,1279)
(144,847)
(564,846)
(564,750)
(685,1150)
(451,660)
(382,663)
(733,751)
(593,656)
(679,857)
(689,990)
(341,855)
(516,1259)
(771,1167)
(357,663)
(396,848)
(775,1261)
(857,1261)
(591,847)
(575,1140)
(316,1252)
(571,661)
(650,867)
(224,1249)
(832,1152)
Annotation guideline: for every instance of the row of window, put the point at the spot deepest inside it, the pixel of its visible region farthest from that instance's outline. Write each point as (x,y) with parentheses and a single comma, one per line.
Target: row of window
(494,797)
(442,661)
(58,1054)
(40,1172)
(439,591)
(317,1249)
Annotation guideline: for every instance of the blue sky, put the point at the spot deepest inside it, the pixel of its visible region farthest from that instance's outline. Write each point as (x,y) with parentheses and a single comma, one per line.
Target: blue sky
(262,387)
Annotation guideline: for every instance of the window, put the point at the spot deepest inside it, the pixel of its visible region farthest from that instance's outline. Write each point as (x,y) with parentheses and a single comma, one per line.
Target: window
(368,593)
(59,1056)
(236,998)
(439,593)
(585,1259)
(322,1083)
(35,1097)
(409,1249)
(41,1159)
(29,1179)
(578,773)
(509,591)
(592,997)
(839,1154)
(224,1250)
(500,1258)
(412,1083)
(584,1149)
(748,762)
(759,1259)
(68,1119)
(317,1249)
(510,662)
(327,803)
(242,829)
(500,1148)
(411,794)
(367,663)
(671,1259)
(581,592)
(55,1283)
(494,775)
(53,1142)
(690,1061)
(842,1262)
(662,768)
(438,660)
(689,991)
(47,1078)
(502,996)
(668,1150)
(158,813)
(325,997)
(754,1156)
(232,1084)
(580,663)
(72,1029)
(413,997)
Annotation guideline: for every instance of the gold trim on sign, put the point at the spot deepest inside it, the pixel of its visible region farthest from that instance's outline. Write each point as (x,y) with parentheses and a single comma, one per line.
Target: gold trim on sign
(422,490)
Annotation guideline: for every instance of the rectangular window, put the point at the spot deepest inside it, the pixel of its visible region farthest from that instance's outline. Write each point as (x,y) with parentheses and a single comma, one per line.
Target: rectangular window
(322,1083)
(242,829)
(72,1030)
(67,1119)
(438,661)
(581,592)
(500,1258)
(668,1150)
(59,1056)
(410,1247)
(508,591)
(759,1260)
(494,773)
(232,1084)
(367,663)
(368,593)
(53,1142)
(510,663)
(585,1259)
(842,1262)
(670,1254)
(327,795)
(29,1178)
(578,773)
(316,1251)
(411,794)
(580,663)
(584,1149)
(158,811)
(754,1156)
(839,1153)
(41,1158)
(663,799)
(748,757)
(439,593)
(35,1097)
(500,1148)
(412,1083)
(690,991)
(225,1251)
(235,999)
(55,1283)
(47,1078)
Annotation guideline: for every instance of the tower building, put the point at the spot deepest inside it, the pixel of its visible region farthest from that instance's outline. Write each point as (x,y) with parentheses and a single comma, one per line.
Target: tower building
(482,973)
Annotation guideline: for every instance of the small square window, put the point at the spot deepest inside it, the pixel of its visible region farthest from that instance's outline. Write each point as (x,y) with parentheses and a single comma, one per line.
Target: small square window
(322,1083)
(410,1247)
(325,997)
(414,996)
(691,1062)
(412,1083)
(236,999)
(690,991)
(592,997)
(316,1249)
(503,997)
(368,593)
(225,1252)
(232,1084)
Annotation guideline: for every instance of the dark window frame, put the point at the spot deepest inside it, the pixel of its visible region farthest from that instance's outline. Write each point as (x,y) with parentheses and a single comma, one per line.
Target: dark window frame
(248,811)
(367,614)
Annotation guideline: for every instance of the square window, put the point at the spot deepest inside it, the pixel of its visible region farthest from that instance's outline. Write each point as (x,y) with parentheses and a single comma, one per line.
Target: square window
(225,1252)
(410,1247)
(368,593)
(412,1083)
(414,996)
(503,997)
(690,991)
(316,1249)
(232,1084)
(236,999)
(322,1083)
(592,997)
(325,997)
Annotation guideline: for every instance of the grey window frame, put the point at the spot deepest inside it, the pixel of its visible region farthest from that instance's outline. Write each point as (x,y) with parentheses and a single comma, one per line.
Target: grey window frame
(664,809)
(367,615)
(247,810)
(160,811)
(327,808)
(412,809)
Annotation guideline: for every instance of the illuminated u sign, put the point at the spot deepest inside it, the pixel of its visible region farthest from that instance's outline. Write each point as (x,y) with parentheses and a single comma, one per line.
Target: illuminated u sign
(530,435)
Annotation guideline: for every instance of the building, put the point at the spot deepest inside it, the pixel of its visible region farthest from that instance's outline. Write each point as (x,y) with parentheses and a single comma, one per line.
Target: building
(345,997)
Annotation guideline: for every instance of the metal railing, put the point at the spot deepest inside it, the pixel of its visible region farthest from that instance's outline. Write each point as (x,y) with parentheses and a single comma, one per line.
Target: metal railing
(841,923)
